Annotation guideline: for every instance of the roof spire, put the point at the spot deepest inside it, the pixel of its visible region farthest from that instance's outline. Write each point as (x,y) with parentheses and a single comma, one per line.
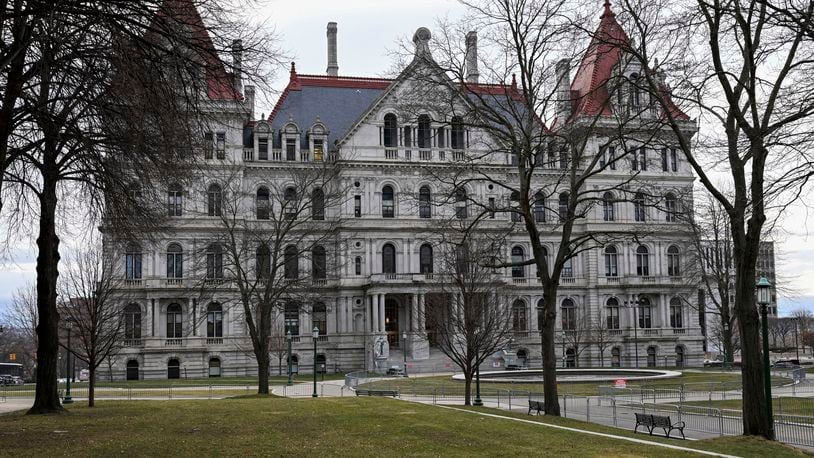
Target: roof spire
(514,82)
(608,12)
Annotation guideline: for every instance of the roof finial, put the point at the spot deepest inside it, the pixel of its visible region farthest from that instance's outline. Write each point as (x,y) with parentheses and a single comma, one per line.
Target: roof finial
(608,12)
(293,72)
(514,82)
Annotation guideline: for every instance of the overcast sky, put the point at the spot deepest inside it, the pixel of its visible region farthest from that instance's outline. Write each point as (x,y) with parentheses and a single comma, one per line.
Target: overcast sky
(367,29)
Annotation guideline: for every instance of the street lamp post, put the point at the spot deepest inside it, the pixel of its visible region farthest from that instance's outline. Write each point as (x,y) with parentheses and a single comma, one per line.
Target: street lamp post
(796,345)
(726,356)
(316,336)
(68,399)
(404,351)
(288,339)
(763,292)
(635,304)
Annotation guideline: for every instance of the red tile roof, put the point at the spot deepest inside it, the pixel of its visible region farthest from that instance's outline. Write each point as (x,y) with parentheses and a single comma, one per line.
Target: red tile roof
(589,89)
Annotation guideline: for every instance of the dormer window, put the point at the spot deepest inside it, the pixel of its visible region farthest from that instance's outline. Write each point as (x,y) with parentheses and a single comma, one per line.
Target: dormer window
(291,149)
(220,145)
(289,137)
(319,149)
(209,145)
(424,132)
(318,136)
(261,135)
(391,134)
(263,149)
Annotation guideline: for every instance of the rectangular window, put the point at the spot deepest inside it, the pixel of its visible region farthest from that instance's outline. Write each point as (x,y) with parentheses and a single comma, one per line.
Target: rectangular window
(209,145)
(634,161)
(643,159)
(675,317)
(133,268)
(563,157)
(220,146)
(358,265)
(263,149)
(612,158)
(613,317)
(492,207)
(674,159)
(645,317)
(357,206)
(664,160)
(292,318)
(290,149)
(568,268)
(440,137)
(318,150)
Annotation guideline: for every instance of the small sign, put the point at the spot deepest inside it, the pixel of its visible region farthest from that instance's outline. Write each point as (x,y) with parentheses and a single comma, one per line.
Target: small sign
(620,383)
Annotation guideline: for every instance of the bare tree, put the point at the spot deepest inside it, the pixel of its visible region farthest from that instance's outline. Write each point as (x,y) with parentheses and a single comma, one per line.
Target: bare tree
(780,329)
(21,313)
(90,305)
(275,246)
(577,334)
(743,67)
(469,316)
(601,337)
(278,344)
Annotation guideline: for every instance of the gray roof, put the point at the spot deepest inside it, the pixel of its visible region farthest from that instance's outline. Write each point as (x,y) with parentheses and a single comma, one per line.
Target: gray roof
(336,107)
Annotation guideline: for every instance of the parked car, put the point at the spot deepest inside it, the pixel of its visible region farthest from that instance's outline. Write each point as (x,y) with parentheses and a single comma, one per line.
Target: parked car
(784,364)
(6,380)
(396,371)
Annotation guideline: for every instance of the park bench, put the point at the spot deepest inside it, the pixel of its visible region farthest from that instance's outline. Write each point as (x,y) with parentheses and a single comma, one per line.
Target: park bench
(366,392)
(539,406)
(652,422)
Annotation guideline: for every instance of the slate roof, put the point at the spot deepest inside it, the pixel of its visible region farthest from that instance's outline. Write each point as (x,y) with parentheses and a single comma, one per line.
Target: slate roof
(338,101)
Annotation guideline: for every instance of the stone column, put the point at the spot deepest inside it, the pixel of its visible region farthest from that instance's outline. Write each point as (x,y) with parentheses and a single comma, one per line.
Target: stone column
(374,306)
(663,307)
(533,313)
(414,313)
(422,314)
(381,313)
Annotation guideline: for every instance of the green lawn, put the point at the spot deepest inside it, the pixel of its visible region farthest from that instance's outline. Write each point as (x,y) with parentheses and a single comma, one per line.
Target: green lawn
(201,381)
(700,381)
(252,426)
(782,405)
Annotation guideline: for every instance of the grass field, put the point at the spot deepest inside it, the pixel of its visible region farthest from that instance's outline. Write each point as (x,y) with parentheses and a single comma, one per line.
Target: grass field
(699,380)
(199,381)
(251,426)
(781,405)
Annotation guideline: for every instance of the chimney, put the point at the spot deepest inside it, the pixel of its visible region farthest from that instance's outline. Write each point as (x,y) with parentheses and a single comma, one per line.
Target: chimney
(248,99)
(333,67)
(471,57)
(237,64)
(563,88)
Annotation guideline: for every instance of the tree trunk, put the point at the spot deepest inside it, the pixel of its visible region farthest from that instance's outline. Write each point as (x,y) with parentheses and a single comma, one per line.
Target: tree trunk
(46,398)
(467,389)
(92,386)
(263,375)
(552,403)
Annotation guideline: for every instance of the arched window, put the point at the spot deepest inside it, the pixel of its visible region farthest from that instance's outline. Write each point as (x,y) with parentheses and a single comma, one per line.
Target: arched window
(540,313)
(214,261)
(515,198)
(676,316)
(132,261)
(214,367)
(679,356)
(651,356)
(292,262)
(388,259)
(563,206)
(457,133)
(318,263)
(616,357)
(292,318)
(262,203)
(408,136)
(460,203)
(173,368)
(518,315)
(570,357)
(568,268)
(318,204)
(424,202)
(358,265)
(132,322)
(612,313)
(645,313)
(388,202)
(174,321)
(673,261)
(319,317)
(639,213)
(462,259)
(642,261)
(569,315)
(611,261)
(132,370)
(671,207)
(214,200)
(175,261)
(539,207)
(290,203)
(424,132)
(425,258)
(518,256)
(175,196)
(214,320)
(391,130)
(608,213)
(263,261)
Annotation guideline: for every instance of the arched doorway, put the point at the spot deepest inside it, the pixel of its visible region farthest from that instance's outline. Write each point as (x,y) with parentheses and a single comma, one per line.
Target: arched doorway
(391,322)
(322,366)
(570,358)
(616,357)
(522,358)
(214,367)
(679,356)
(173,368)
(132,370)
(651,356)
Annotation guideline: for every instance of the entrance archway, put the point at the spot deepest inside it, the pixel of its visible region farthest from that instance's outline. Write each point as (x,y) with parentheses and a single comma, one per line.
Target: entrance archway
(132,370)
(173,369)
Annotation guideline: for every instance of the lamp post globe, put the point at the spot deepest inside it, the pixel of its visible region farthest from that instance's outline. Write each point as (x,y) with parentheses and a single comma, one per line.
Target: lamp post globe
(288,339)
(315,333)
(763,299)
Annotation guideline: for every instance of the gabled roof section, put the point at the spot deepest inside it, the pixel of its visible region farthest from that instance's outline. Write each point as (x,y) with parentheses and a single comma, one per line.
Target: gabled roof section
(338,101)
(589,89)
(219,83)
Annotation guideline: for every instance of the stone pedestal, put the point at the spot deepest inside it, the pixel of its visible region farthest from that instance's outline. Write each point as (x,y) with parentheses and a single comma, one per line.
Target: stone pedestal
(419,347)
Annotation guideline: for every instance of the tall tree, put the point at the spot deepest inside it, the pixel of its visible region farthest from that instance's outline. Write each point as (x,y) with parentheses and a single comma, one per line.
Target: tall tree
(744,67)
